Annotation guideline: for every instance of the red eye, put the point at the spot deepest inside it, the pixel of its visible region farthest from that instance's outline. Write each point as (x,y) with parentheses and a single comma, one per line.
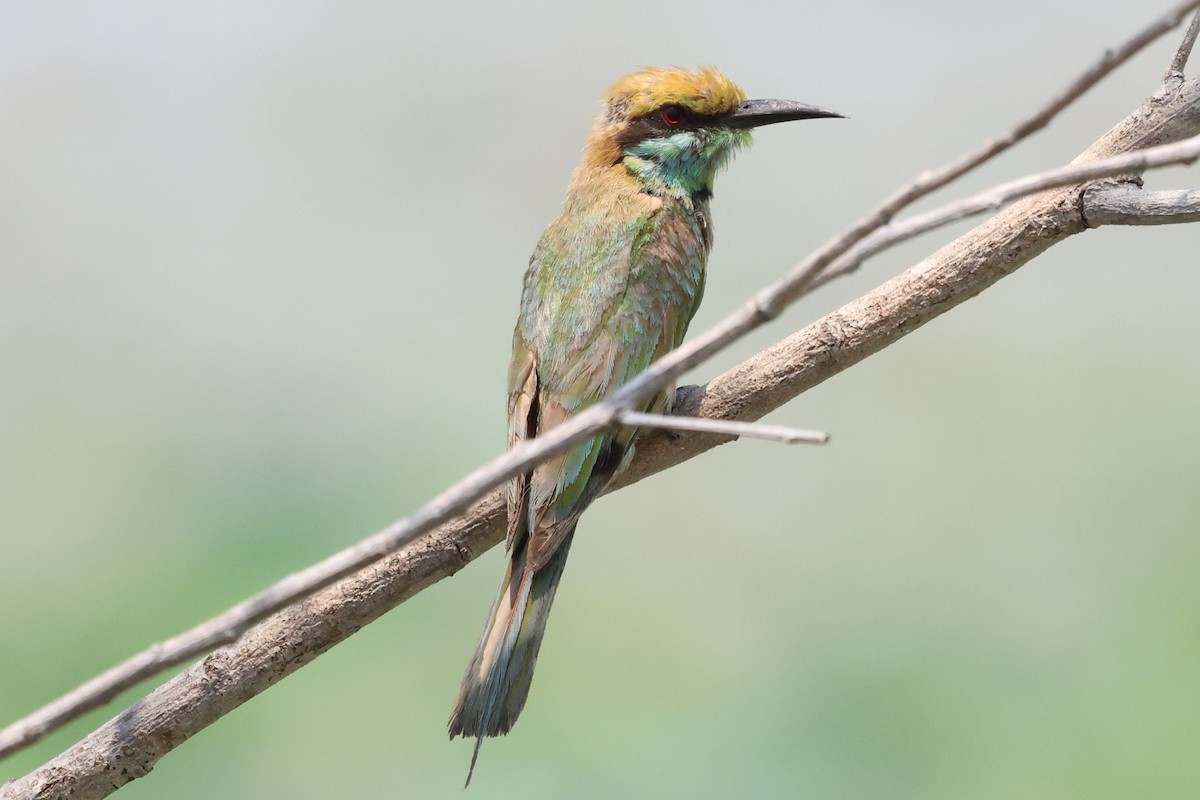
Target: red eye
(672,115)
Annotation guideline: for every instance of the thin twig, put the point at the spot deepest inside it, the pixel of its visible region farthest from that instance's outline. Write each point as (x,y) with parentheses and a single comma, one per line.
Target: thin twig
(1179,62)
(927,182)
(1185,152)
(1130,205)
(756,430)
(228,626)
(1109,61)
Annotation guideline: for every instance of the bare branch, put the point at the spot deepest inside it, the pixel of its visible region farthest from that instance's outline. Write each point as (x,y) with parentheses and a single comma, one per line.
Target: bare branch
(128,746)
(1109,61)
(233,623)
(807,275)
(756,430)
(230,625)
(768,304)
(1129,205)
(1175,71)
(1185,152)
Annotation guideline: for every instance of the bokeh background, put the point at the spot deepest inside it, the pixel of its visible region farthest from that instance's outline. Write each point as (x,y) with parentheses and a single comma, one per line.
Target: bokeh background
(259,265)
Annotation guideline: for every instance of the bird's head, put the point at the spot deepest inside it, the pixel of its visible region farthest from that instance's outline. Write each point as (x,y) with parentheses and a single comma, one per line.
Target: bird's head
(675,128)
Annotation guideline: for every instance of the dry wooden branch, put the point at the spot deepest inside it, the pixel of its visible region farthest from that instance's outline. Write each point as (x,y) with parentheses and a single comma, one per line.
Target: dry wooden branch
(1185,152)
(1110,60)
(1131,205)
(804,277)
(233,623)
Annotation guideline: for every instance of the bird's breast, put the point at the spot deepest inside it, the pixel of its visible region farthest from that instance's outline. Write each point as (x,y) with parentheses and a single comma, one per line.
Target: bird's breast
(623,267)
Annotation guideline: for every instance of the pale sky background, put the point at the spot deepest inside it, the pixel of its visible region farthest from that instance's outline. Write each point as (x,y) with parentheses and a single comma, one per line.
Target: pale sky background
(259,267)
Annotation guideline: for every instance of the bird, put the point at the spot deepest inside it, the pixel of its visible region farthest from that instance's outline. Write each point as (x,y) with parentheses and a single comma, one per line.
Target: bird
(611,287)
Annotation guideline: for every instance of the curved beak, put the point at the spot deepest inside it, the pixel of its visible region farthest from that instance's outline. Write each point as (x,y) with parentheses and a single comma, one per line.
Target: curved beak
(755,113)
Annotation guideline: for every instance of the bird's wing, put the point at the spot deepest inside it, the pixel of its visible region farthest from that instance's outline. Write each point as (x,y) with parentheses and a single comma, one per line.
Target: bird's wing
(653,286)
(522,425)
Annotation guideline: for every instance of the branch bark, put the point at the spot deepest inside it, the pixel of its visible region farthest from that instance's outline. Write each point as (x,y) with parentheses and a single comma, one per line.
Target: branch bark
(1132,205)
(1175,71)
(129,745)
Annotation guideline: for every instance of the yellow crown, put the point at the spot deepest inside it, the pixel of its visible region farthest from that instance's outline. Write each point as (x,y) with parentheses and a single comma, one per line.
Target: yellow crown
(704,91)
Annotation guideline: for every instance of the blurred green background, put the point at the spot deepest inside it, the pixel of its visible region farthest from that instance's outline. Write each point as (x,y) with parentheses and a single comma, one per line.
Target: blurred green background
(258,271)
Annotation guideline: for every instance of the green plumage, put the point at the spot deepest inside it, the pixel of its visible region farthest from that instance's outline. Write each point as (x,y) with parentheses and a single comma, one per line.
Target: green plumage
(597,310)
(611,287)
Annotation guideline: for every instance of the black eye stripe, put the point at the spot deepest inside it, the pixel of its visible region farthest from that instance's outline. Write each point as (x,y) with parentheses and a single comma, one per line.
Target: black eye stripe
(652,125)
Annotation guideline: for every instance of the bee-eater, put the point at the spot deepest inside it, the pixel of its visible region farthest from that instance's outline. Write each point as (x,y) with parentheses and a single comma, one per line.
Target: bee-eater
(611,287)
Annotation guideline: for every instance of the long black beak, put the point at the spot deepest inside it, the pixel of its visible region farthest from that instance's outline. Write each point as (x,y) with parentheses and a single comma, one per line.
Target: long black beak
(754,113)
